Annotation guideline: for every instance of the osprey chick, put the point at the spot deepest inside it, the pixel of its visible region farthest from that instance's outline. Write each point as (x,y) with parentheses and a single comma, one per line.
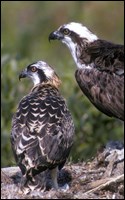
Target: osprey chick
(100,67)
(42,127)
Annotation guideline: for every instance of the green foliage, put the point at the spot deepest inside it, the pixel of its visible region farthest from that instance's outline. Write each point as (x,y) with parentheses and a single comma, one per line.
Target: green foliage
(25,30)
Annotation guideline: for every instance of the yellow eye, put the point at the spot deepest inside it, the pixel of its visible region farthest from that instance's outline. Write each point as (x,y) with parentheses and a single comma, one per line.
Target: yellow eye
(33,69)
(66,31)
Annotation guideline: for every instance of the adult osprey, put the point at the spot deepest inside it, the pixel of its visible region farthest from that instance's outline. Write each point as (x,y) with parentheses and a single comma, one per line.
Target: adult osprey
(42,127)
(100,67)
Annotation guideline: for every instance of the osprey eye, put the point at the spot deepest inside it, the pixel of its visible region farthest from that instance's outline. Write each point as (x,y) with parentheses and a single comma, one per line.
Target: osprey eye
(33,69)
(66,31)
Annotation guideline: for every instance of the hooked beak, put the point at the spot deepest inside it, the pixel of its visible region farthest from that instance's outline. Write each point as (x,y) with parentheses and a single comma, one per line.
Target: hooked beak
(23,74)
(55,35)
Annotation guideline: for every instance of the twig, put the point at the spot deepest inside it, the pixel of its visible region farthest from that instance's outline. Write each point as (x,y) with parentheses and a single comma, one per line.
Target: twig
(106,182)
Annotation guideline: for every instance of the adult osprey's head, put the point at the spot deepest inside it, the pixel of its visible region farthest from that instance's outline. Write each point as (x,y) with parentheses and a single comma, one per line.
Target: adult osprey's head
(40,73)
(75,36)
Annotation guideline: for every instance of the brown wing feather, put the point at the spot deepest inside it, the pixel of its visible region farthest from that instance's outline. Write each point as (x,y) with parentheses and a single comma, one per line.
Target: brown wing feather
(105,56)
(104,90)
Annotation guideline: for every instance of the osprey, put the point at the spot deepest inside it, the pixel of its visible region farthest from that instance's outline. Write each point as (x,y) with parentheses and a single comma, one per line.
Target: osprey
(42,127)
(100,67)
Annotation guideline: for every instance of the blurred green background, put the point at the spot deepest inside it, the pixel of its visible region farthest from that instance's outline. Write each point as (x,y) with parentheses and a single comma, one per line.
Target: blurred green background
(25,29)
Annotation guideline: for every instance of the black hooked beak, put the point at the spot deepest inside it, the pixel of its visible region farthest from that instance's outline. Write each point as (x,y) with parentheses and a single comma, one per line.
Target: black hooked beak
(55,35)
(23,74)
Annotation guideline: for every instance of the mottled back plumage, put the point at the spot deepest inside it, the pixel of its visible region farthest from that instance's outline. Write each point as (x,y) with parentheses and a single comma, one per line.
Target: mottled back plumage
(42,128)
(100,67)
